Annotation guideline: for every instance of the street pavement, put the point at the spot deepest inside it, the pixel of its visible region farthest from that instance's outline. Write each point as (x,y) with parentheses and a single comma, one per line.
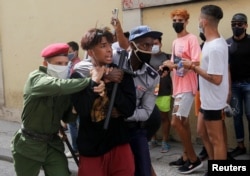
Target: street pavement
(159,160)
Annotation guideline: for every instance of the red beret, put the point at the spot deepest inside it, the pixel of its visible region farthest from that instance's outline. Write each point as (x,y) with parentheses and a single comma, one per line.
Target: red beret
(56,49)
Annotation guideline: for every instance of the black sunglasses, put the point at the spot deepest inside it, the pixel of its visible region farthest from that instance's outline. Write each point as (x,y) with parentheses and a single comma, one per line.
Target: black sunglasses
(239,24)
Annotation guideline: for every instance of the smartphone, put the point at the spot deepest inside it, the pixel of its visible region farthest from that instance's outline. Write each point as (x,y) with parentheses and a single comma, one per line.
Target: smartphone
(115,14)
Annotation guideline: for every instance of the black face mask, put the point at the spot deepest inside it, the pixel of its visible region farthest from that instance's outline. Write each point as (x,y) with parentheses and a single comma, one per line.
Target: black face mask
(202,36)
(238,31)
(142,56)
(178,27)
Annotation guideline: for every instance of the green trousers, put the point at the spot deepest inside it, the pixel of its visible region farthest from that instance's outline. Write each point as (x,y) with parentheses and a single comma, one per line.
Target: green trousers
(56,164)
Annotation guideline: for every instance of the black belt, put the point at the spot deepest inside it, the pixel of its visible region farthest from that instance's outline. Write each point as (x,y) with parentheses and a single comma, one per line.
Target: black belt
(136,124)
(38,136)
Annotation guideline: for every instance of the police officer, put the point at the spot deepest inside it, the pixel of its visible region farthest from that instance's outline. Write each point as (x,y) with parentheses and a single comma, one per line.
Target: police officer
(145,79)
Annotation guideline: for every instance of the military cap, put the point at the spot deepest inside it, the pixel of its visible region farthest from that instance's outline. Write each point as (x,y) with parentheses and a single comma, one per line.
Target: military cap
(55,49)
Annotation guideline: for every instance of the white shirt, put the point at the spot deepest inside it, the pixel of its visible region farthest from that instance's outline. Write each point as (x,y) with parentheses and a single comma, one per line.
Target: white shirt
(214,61)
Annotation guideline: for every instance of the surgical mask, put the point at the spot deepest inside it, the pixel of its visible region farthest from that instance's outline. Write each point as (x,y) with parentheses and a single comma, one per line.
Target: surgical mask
(58,71)
(178,27)
(237,31)
(201,30)
(142,56)
(201,33)
(155,49)
(71,56)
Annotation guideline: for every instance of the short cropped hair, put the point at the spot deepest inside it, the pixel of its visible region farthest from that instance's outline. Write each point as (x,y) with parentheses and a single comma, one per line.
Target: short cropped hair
(180,12)
(212,11)
(73,45)
(94,36)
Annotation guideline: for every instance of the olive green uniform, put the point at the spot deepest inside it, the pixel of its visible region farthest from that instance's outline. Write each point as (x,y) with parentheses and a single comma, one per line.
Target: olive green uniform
(36,144)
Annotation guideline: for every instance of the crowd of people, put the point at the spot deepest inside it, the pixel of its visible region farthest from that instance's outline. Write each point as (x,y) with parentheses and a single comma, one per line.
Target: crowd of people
(115,100)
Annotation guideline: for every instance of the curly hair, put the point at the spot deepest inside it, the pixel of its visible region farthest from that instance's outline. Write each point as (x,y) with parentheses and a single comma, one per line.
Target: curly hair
(180,12)
(94,36)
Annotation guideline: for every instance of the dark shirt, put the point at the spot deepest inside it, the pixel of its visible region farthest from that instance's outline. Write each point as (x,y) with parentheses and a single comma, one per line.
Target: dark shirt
(165,82)
(93,139)
(239,58)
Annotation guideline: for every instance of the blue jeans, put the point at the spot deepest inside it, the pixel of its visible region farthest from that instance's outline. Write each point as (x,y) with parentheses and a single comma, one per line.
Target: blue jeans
(73,130)
(240,99)
(139,146)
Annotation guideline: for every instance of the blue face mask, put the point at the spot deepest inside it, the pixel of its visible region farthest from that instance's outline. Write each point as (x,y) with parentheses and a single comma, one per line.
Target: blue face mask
(71,56)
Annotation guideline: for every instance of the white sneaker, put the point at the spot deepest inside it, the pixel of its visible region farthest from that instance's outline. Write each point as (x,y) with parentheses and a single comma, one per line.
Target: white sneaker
(69,154)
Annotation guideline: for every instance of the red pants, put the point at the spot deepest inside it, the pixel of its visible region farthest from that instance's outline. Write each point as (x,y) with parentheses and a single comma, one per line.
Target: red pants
(117,162)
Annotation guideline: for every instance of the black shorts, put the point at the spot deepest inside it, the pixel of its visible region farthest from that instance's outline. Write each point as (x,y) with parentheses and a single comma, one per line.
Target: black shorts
(212,114)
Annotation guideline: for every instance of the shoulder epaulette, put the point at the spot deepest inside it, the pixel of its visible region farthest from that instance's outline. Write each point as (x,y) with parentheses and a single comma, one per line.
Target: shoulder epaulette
(151,72)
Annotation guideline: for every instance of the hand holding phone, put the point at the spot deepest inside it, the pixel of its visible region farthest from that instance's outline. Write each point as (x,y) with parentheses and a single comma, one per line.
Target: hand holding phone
(115,15)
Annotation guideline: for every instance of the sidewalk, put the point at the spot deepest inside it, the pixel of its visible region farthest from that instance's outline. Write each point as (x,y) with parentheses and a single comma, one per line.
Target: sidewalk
(159,160)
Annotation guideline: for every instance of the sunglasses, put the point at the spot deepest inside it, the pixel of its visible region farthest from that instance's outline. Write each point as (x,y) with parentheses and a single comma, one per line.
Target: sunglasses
(239,24)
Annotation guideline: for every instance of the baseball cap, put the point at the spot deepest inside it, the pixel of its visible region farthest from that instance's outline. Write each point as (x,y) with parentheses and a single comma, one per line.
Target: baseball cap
(55,49)
(240,17)
(143,31)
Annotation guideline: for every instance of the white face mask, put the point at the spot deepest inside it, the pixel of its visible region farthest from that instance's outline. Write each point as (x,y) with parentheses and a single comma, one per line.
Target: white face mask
(58,71)
(155,49)
(200,28)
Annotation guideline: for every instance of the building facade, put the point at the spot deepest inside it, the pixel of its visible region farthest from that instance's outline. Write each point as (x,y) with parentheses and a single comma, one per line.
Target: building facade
(27,26)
